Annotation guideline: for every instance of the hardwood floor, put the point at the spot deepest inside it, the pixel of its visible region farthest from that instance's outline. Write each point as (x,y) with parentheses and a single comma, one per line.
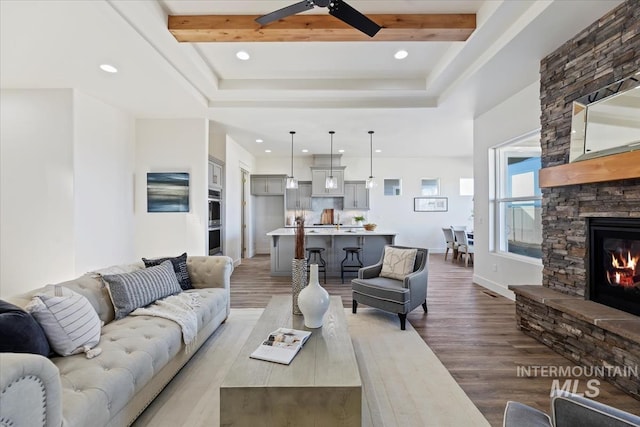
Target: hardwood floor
(471,330)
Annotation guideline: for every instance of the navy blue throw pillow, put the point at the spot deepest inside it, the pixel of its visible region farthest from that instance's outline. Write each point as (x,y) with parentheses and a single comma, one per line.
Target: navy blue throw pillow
(20,333)
(179,266)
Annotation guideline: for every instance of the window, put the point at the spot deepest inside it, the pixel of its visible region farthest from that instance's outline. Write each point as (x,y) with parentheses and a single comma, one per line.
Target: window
(517,201)
(392,187)
(430,187)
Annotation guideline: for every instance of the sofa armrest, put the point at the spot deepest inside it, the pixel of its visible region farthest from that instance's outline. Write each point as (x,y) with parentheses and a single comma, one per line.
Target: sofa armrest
(517,414)
(416,282)
(210,271)
(568,409)
(30,391)
(370,271)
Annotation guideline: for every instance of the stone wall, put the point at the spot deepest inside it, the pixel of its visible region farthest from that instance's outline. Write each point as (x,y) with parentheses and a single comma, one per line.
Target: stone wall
(606,51)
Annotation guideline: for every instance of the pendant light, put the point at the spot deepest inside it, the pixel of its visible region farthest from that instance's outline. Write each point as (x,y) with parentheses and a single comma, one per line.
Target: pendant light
(370,181)
(292,183)
(331,182)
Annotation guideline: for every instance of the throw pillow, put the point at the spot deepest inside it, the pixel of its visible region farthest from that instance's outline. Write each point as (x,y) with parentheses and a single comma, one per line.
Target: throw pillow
(68,319)
(20,333)
(179,266)
(397,263)
(133,290)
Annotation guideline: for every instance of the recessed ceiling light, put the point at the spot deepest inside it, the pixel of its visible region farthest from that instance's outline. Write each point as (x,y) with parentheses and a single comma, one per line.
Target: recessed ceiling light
(108,68)
(401,54)
(267,151)
(378,151)
(304,150)
(242,55)
(259,141)
(340,151)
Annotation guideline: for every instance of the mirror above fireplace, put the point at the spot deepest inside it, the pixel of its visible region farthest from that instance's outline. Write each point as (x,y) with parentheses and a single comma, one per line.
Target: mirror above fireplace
(606,121)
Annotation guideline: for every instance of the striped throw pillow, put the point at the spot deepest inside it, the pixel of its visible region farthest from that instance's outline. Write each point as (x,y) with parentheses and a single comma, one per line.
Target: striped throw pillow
(68,319)
(139,288)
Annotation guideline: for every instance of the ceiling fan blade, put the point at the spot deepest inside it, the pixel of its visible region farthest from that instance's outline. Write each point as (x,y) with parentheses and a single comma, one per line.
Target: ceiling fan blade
(357,20)
(284,12)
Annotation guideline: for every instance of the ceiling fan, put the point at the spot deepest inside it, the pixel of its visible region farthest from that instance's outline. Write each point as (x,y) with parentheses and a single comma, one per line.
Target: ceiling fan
(337,8)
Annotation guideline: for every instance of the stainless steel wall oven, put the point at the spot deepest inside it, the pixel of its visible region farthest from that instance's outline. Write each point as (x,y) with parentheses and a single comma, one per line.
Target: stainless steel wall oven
(215,208)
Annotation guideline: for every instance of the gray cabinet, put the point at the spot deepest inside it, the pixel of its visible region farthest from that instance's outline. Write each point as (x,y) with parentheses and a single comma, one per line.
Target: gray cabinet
(299,198)
(319,176)
(356,195)
(214,175)
(267,185)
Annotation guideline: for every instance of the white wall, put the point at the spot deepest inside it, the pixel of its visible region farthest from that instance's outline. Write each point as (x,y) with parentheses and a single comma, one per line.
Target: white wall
(65,186)
(236,158)
(395,213)
(103,185)
(171,145)
(36,225)
(516,116)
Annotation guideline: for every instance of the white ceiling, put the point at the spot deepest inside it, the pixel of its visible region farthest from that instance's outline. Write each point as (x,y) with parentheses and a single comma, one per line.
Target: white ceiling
(421,106)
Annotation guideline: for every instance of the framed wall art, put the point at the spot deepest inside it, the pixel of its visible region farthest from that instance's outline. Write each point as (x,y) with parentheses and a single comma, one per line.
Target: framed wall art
(430,204)
(167,192)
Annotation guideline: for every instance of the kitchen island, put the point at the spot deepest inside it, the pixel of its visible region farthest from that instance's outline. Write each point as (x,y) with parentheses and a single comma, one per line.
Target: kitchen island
(333,241)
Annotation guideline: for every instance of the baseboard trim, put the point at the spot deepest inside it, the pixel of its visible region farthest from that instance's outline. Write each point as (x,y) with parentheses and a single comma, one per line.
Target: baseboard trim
(493,286)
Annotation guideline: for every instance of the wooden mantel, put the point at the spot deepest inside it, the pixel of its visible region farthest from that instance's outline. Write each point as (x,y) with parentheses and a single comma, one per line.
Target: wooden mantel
(600,169)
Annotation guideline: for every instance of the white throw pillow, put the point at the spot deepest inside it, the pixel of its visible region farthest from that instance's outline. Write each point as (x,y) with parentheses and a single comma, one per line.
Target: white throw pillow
(397,263)
(68,319)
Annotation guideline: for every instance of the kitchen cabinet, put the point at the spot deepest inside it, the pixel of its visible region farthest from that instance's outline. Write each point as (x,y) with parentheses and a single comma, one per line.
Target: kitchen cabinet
(267,185)
(319,176)
(299,198)
(356,195)
(214,175)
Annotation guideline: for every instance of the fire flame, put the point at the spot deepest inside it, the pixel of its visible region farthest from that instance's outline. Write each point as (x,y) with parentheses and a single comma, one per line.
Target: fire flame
(625,269)
(629,263)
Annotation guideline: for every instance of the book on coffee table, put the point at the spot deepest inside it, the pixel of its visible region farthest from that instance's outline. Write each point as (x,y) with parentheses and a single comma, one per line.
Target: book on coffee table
(281,346)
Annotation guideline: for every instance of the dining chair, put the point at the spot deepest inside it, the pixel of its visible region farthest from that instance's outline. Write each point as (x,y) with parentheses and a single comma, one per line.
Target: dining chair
(451,242)
(464,246)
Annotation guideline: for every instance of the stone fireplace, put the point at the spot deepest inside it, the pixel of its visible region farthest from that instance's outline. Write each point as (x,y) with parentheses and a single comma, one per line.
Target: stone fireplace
(613,249)
(597,326)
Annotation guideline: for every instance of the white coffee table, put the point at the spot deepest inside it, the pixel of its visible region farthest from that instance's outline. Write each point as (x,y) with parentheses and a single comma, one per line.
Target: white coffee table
(321,386)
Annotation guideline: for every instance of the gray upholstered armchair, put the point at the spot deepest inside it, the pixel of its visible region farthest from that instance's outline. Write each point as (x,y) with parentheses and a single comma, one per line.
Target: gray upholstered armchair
(399,296)
(568,410)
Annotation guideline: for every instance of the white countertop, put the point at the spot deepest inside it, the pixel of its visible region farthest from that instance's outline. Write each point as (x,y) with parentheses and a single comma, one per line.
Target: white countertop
(331,232)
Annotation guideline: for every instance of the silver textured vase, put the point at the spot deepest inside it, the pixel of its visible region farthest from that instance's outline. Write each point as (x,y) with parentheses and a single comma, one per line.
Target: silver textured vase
(313,300)
(298,281)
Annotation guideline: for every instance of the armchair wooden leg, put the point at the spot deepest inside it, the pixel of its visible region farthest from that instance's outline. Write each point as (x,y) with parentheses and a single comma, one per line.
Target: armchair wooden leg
(446,252)
(403,320)
(424,306)
(354,307)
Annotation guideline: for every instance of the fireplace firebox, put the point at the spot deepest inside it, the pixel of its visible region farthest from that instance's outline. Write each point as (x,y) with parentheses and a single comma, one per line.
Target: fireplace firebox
(614,263)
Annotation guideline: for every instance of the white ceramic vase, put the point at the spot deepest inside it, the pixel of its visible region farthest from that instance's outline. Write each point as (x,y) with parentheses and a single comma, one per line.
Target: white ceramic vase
(313,300)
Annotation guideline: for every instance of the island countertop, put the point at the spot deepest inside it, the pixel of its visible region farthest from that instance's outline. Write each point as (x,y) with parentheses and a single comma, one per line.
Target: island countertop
(332,243)
(331,232)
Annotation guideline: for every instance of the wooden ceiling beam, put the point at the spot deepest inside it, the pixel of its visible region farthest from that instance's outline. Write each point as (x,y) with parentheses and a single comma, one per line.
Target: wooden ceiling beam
(300,28)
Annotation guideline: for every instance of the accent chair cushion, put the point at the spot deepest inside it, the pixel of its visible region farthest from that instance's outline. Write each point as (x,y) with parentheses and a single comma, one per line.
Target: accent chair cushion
(397,263)
(68,319)
(20,333)
(140,288)
(179,266)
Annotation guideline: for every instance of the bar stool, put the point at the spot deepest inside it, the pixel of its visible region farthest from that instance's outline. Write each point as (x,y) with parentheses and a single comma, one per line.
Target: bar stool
(353,264)
(314,256)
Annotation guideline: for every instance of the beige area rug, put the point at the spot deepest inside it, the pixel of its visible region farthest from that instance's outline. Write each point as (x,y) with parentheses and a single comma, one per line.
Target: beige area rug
(404,382)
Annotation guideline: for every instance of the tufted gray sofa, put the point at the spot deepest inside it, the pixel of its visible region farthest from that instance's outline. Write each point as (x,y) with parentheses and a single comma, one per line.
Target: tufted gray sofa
(140,355)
